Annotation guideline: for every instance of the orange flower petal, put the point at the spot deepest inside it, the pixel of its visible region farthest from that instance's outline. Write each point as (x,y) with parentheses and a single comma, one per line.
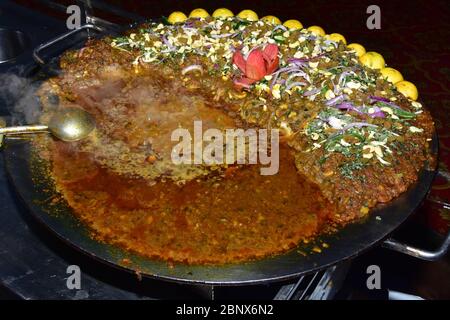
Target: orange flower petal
(270,52)
(239,61)
(256,67)
(272,66)
(270,55)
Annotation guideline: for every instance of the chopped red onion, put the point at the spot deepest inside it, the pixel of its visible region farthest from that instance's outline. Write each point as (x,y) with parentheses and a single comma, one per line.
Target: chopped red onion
(336,100)
(377,113)
(328,42)
(280,26)
(236,34)
(311,92)
(295,84)
(293,60)
(318,56)
(190,24)
(299,63)
(223,35)
(335,123)
(342,77)
(276,74)
(298,73)
(385,101)
(348,106)
(192,67)
(335,88)
(382,99)
(167,43)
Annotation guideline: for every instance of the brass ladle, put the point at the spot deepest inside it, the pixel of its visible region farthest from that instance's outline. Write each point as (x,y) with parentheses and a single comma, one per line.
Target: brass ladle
(69,124)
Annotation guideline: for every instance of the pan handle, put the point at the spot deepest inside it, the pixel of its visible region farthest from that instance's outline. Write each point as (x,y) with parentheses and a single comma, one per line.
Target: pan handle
(417,252)
(37,51)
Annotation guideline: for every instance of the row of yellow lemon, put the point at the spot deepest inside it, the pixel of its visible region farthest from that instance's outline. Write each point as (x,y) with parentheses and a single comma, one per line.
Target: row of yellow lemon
(370,59)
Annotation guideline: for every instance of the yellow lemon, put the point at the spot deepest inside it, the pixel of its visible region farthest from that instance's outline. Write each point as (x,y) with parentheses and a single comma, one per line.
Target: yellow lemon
(271,19)
(408,89)
(359,49)
(318,31)
(337,37)
(293,24)
(391,75)
(199,13)
(177,17)
(373,60)
(248,15)
(222,13)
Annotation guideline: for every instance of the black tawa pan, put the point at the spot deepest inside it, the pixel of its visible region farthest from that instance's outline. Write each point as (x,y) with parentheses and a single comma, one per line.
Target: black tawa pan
(35,190)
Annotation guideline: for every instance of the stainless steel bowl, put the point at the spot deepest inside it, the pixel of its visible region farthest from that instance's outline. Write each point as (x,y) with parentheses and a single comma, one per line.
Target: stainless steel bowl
(12,44)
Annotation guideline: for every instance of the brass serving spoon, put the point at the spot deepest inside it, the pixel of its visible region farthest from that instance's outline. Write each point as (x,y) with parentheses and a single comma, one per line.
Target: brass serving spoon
(69,124)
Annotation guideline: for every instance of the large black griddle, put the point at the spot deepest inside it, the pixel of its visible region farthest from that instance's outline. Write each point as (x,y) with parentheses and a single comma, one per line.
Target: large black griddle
(35,190)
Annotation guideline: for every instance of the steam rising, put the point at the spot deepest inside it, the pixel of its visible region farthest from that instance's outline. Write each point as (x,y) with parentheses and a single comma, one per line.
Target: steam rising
(18,94)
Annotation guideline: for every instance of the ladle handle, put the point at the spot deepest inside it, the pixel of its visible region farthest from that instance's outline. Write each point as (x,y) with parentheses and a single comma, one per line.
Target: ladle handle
(23,129)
